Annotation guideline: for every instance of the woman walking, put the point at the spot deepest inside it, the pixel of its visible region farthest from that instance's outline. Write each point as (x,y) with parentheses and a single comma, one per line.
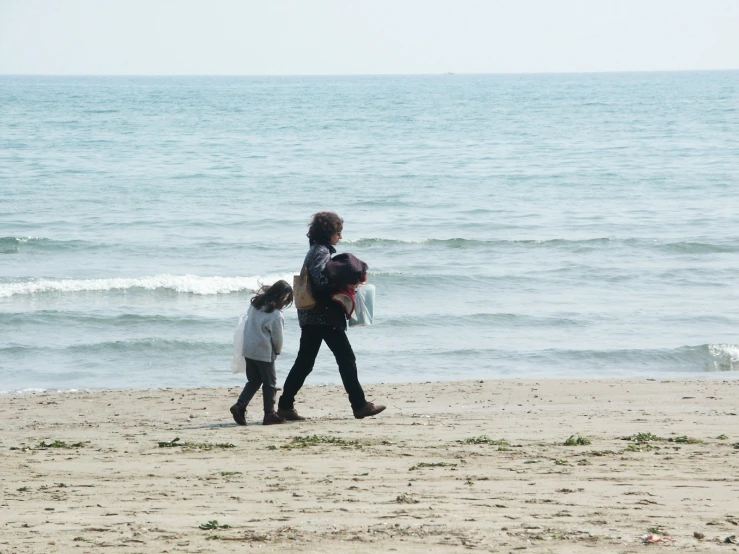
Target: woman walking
(326,322)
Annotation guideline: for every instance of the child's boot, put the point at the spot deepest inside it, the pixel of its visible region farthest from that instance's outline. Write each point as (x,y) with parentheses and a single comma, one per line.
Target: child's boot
(239,413)
(271,418)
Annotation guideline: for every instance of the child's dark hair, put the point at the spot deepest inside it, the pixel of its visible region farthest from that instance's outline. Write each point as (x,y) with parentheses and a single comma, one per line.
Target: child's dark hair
(323,226)
(268,297)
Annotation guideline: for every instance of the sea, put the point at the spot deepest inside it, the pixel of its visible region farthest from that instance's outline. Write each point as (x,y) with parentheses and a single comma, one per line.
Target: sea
(515,226)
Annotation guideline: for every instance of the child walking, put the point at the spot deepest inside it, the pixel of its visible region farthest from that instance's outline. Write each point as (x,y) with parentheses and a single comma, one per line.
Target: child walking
(262,344)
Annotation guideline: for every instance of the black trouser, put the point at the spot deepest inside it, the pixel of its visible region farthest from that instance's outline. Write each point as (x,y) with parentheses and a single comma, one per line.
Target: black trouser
(311,337)
(258,373)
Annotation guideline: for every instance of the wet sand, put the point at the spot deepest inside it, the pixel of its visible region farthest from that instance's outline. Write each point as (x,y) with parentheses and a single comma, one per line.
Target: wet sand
(448,467)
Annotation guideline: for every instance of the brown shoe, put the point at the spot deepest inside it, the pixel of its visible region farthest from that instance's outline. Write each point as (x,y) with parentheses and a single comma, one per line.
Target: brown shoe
(290,415)
(271,418)
(239,413)
(368,410)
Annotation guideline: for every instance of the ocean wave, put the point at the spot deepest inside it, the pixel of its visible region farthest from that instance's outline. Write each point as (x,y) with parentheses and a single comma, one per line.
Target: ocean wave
(459,242)
(576,245)
(699,248)
(480,319)
(700,358)
(129,320)
(369,242)
(155,346)
(33,390)
(723,357)
(463,243)
(190,284)
(11,245)
(14,245)
(134,347)
(389,273)
(704,358)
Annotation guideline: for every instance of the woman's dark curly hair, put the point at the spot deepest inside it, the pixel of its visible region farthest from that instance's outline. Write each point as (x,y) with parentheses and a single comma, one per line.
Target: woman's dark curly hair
(279,295)
(323,226)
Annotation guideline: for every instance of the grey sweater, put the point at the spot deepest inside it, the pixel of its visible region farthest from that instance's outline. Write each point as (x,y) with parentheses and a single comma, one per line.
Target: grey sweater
(263,335)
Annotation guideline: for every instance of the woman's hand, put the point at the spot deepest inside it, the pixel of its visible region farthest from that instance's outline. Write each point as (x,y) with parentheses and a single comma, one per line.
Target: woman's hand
(362,281)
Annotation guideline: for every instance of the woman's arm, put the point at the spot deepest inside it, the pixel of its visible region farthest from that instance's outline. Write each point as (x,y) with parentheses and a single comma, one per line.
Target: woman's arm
(316,264)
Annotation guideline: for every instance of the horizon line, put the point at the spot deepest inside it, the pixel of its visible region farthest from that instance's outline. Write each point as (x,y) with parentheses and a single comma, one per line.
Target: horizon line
(447,73)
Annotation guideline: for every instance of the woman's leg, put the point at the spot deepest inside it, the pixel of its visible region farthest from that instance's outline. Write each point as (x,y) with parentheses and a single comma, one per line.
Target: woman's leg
(311,337)
(253,382)
(338,342)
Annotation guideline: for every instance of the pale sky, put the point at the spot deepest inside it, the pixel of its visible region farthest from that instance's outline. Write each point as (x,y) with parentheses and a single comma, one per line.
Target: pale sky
(350,37)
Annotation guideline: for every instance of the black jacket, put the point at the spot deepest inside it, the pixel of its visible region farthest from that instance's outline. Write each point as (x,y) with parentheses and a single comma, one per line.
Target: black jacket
(327,276)
(327,312)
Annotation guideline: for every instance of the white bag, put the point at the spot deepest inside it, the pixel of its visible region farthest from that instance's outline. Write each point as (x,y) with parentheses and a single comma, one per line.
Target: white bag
(365,306)
(238,362)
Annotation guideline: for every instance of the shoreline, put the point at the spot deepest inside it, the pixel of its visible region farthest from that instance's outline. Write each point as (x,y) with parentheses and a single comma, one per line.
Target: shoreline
(671,377)
(449,466)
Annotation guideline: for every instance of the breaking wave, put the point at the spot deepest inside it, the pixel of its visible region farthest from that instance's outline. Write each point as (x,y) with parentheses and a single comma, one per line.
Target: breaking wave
(190,284)
(679,247)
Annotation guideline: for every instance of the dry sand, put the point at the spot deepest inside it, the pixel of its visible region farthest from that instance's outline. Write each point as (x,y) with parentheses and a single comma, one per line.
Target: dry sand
(84,472)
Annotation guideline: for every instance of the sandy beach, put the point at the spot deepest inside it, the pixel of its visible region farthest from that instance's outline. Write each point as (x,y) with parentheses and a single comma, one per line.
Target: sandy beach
(448,467)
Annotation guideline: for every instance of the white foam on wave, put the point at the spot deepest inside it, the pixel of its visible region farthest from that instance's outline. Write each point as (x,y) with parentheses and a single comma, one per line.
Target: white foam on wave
(377,240)
(22,240)
(726,356)
(192,284)
(24,391)
(40,391)
(730,351)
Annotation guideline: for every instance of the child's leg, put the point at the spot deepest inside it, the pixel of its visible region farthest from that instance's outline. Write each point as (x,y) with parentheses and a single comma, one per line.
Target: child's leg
(254,381)
(268,374)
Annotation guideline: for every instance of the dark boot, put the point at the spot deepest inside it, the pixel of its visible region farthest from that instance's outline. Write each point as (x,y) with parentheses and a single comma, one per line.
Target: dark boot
(290,415)
(239,413)
(368,410)
(271,418)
